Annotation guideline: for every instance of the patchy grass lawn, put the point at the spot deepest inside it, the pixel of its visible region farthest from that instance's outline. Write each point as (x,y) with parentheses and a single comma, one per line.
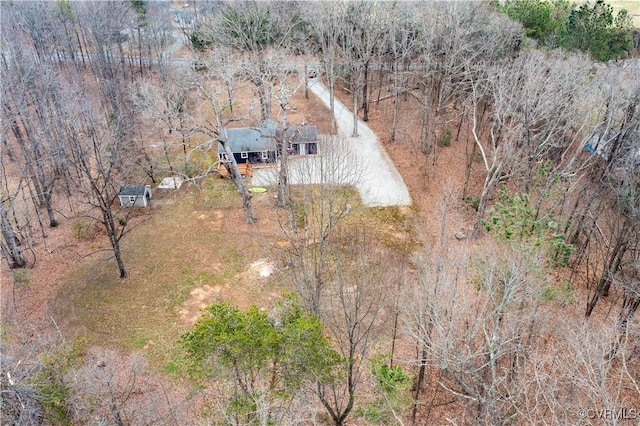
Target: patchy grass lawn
(195,249)
(198,240)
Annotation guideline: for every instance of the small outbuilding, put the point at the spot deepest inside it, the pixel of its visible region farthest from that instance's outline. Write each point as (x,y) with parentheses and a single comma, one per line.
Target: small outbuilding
(135,195)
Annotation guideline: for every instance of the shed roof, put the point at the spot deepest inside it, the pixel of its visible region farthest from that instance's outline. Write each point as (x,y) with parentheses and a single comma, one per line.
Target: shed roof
(137,190)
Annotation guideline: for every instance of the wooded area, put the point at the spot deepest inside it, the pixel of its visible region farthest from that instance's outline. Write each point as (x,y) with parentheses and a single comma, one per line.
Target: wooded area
(529,318)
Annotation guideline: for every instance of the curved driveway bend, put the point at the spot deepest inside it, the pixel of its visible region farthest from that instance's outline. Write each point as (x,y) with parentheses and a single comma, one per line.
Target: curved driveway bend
(378,181)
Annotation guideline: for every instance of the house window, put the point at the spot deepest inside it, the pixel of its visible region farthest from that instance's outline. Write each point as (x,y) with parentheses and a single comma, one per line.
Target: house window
(223,157)
(265,155)
(244,155)
(132,199)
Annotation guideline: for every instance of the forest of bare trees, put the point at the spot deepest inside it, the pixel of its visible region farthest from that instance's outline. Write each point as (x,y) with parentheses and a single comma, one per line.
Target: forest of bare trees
(531,319)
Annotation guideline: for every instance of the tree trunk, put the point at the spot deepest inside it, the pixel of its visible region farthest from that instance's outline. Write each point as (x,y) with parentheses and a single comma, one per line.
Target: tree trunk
(113,233)
(608,273)
(53,222)
(230,95)
(118,255)
(45,187)
(396,93)
(306,81)
(283,175)
(139,50)
(469,164)
(332,99)
(355,104)
(339,416)
(26,153)
(264,93)
(237,179)
(82,54)
(489,183)
(419,382)
(11,247)
(425,146)
(365,93)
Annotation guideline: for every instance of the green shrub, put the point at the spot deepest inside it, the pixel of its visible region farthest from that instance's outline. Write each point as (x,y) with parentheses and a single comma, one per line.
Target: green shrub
(513,219)
(444,138)
(393,382)
(592,27)
(290,345)
(200,40)
(562,294)
(83,230)
(21,277)
(472,201)
(200,66)
(54,391)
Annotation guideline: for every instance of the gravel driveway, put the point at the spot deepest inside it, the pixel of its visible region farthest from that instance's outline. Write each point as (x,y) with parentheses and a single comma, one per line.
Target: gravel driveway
(377,181)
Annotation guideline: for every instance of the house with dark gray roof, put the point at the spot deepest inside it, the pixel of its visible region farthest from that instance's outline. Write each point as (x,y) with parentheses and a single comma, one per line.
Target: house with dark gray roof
(259,145)
(251,145)
(135,195)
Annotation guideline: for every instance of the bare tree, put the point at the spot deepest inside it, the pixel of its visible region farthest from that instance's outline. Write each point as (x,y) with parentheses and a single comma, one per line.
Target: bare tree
(362,25)
(32,106)
(99,155)
(353,310)
(120,389)
(402,43)
(165,107)
(526,124)
(20,366)
(337,272)
(258,34)
(604,217)
(157,35)
(314,215)
(479,337)
(283,97)
(224,65)
(575,378)
(105,25)
(326,20)
(217,131)
(10,244)
(620,241)
(450,55)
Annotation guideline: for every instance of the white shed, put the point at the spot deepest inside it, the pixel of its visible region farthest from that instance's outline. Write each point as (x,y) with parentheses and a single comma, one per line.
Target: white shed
(135,195)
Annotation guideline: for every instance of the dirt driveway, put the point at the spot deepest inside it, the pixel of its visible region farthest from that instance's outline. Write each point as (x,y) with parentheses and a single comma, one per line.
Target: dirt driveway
(377,181)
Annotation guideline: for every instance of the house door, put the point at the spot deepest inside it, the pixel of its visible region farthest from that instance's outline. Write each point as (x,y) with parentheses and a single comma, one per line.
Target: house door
(303,149)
